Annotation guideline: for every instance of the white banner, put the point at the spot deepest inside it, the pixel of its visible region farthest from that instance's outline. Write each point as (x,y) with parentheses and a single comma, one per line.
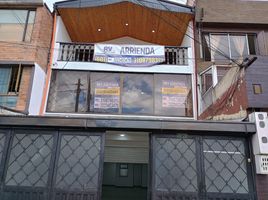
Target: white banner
(129,55)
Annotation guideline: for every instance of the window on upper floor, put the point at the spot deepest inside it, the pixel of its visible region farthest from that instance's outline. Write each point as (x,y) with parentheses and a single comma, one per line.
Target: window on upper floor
(218,46)
(10,77)
(121,93)
(16,25)
(212,76)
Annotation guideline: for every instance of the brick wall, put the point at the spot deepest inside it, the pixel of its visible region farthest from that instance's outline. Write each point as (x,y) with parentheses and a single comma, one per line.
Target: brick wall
(36,51)
(262,187)
(31,51)
(24,88)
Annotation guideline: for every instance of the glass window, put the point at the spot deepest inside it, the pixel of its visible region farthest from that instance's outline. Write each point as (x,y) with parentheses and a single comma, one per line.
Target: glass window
(10,76)
(16,25)
(69,91)
(238,46)
(173,95)
(120,93)
(206,80)
(221,71)
(252,44)
(137,97)
(29,28)
(105,92)
(220,46)
(206,45)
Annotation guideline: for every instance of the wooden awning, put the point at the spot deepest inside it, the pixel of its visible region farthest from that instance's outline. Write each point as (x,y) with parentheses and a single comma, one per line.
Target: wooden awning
(97,21)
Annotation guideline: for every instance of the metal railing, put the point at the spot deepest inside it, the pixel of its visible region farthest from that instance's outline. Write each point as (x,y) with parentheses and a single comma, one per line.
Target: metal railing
(79,52)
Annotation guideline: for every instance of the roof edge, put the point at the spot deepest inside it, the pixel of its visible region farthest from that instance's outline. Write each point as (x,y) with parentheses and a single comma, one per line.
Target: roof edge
(154,4)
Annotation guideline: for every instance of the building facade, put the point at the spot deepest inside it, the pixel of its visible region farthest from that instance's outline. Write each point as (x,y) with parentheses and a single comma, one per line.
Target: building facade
(118,112)
(232,63)
(228,88)
(25,37)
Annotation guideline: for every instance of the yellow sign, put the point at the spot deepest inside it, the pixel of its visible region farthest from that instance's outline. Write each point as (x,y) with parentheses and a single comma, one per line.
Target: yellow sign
(175,90)
(108,91)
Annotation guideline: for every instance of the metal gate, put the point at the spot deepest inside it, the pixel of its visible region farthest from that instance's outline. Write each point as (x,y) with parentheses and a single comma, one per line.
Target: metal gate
(50,165)
(200,168)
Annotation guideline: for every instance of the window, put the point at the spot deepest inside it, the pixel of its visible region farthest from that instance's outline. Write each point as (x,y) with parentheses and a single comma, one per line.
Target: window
(257,89)
(206,80)
(121,93)
(16,25)
(218,46)
(212,76)
(10,76)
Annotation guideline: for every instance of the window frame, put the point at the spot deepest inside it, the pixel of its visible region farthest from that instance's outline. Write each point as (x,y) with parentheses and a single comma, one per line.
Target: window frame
(189,114)
(207,48)
(25,24)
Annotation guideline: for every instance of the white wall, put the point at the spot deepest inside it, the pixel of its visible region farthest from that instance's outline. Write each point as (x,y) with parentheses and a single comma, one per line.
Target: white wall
(37,90)
(61,35)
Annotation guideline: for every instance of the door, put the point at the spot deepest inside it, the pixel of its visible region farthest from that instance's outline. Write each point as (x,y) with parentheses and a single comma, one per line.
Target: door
(50,165)
(200,168)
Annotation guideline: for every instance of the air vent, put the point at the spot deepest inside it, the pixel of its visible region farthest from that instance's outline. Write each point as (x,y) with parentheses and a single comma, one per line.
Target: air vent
(261,164)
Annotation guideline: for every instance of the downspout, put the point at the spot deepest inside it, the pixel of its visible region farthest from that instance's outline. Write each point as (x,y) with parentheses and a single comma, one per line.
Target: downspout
(49,69)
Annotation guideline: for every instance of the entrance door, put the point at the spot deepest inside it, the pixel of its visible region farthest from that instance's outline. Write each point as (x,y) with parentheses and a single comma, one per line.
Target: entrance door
(50,165)
(125,174)
(200,168)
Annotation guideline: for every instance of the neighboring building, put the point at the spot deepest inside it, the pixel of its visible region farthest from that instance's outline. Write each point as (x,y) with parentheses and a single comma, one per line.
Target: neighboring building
(25,37)
(228,91)
(232,62)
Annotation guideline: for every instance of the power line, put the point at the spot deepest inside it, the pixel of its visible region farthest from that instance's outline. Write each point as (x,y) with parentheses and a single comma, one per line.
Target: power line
(174,26)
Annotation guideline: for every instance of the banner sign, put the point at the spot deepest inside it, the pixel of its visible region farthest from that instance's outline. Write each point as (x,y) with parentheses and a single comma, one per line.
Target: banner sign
(107,95)
(129,55)
(174,94)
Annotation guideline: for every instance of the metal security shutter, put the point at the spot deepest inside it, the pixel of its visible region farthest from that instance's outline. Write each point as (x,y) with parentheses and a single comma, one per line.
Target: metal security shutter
(79,167)
(200,168)
(50,165)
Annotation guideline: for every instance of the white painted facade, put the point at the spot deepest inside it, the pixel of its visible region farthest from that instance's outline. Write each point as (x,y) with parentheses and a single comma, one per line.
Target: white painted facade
(61,35)
(37,90)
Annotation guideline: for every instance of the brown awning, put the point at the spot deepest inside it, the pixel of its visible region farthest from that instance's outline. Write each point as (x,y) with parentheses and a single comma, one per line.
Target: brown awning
(105,22)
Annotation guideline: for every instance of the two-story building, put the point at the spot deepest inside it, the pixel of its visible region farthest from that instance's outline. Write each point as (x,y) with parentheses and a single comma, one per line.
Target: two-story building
(25,37)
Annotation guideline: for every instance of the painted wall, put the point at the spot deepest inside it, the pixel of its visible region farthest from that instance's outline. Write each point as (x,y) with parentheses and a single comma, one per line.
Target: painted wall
(257,73)
(36,90)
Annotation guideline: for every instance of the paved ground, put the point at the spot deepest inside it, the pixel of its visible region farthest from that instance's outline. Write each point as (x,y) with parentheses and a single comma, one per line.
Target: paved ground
(123,193)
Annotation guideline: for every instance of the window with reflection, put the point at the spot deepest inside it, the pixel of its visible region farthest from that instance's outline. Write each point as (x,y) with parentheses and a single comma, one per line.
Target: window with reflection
(137,97)
(16,25)
(173,95)
(68,92)
(105,92)
(120,93)
(222,46)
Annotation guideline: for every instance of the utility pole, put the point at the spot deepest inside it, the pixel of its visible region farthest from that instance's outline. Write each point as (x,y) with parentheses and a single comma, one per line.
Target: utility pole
(78,90)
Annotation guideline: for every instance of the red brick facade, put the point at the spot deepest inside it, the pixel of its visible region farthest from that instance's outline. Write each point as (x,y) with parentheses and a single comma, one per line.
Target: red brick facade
(36,51)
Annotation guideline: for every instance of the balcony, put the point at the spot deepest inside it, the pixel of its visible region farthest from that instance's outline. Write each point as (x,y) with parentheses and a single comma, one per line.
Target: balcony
(83,52)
